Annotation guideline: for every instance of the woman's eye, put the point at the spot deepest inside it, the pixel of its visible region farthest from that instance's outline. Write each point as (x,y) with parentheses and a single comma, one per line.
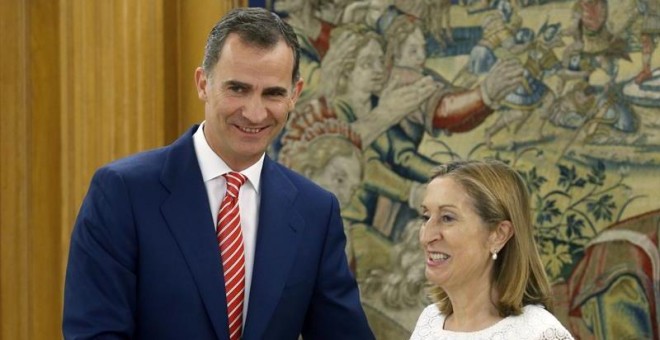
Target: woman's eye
(446,218)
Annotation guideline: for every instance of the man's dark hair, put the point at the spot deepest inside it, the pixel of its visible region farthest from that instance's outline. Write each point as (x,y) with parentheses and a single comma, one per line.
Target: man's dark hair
(255,26)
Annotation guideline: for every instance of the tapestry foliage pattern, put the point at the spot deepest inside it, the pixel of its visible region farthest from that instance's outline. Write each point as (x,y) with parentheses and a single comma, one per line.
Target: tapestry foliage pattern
(395,87)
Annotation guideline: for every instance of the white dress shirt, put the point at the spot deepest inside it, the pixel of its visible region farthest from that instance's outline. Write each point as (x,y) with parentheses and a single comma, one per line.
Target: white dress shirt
(213,167)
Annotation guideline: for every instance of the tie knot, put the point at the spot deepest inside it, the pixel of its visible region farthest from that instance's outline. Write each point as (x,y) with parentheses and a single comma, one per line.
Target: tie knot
(234,182)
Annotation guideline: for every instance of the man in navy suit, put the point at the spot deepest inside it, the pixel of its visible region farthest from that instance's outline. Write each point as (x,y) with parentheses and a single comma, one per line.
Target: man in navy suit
(144,259)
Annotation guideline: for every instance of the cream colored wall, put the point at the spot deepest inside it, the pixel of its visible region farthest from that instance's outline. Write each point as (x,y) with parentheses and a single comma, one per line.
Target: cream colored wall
(81,83)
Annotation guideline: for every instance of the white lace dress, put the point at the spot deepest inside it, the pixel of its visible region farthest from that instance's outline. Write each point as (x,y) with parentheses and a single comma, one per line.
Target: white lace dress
(534,323)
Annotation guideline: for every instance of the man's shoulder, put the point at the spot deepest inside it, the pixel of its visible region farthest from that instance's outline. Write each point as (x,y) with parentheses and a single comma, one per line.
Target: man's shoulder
(151,162)
(135,174)
(139,163)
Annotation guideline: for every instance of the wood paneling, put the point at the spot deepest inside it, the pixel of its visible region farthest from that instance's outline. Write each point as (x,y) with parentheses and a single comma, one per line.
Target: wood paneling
(192,37)
(82,83)
(113,87)
(14,116)
(43,149)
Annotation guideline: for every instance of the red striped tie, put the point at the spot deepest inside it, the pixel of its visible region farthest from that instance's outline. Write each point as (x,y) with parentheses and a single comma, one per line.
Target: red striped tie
(230,238)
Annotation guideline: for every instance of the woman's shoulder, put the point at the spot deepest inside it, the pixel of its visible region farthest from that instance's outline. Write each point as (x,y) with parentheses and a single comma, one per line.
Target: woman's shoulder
(429,323)
(431,311)
(540,322)
(538,312)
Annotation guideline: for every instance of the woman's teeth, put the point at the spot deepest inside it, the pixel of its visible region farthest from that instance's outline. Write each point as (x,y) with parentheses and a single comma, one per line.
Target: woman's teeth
(438,256)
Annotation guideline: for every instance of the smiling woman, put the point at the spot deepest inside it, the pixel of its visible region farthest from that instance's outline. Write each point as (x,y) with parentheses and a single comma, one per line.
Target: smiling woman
(486,273)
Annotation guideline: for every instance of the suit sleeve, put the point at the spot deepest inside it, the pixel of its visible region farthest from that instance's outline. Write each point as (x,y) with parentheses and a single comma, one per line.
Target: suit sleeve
(335,311)
(100,287)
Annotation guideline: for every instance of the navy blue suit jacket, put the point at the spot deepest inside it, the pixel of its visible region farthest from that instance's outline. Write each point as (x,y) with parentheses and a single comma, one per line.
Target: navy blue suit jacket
(144,260)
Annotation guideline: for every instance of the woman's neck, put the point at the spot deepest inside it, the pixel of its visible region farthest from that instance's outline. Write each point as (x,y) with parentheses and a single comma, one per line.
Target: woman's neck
(472,312)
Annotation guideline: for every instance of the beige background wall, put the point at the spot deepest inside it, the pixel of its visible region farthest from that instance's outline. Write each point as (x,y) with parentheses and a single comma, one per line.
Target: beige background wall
(81,83)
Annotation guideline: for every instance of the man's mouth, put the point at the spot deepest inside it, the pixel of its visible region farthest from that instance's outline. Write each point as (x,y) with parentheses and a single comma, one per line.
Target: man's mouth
(250,130)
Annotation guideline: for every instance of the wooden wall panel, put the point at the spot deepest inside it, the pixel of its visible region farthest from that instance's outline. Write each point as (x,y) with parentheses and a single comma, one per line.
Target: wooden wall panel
(14,108)
(192,37)
(43,149)
(113,87)
(81,83)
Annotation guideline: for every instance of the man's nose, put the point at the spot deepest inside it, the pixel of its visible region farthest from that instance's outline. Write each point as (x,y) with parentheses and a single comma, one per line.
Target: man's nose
(255,109)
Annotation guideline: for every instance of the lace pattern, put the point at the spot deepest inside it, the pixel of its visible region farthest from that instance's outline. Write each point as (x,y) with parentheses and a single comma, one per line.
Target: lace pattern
(535,323)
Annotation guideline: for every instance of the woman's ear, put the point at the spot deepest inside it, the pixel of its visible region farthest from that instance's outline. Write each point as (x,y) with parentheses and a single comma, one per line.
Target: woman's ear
(501,235)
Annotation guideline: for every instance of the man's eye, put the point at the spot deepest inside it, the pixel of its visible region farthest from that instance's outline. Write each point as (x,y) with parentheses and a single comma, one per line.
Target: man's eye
(276,94)
(237,89)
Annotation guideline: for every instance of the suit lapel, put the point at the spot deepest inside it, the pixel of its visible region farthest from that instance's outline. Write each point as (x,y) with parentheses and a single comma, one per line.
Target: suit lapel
(187,214)
(277,240)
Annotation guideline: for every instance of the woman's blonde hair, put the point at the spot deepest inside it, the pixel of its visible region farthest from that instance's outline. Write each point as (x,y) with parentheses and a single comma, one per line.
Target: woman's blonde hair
(499,194)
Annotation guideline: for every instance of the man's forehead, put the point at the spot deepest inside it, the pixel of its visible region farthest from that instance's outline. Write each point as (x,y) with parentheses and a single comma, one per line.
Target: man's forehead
(237,53)
(234,41)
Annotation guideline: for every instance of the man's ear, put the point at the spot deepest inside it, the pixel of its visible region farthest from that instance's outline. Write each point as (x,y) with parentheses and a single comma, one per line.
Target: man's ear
(200,83)
(297,90)
(501,235)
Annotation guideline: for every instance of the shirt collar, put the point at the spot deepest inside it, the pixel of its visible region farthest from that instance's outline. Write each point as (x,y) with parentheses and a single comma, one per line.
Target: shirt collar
(212,166)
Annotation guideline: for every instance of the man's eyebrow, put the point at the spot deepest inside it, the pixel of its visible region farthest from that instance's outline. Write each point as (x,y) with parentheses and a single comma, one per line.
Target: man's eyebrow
(276,90)
(269,90)
(236,83)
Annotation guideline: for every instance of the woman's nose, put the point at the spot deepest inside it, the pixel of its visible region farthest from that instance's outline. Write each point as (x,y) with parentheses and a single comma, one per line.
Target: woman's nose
(428,233)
